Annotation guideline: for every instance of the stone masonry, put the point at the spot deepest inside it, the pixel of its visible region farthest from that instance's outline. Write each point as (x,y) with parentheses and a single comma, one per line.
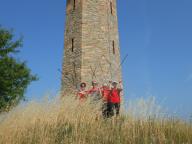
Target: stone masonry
(91,43)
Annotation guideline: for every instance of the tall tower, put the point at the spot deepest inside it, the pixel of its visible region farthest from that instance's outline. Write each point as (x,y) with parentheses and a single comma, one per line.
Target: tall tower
(91,43)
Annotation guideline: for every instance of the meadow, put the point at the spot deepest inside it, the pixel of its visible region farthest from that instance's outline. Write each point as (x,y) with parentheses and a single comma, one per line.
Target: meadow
(66,121)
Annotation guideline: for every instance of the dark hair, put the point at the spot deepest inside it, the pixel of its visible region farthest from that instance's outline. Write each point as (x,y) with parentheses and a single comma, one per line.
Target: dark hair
(83,84)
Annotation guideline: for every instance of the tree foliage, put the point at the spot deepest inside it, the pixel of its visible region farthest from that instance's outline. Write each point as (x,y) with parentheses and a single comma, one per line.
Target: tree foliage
(15,76)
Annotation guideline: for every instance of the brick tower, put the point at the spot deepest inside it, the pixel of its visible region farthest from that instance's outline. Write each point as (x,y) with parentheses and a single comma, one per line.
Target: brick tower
(91,43)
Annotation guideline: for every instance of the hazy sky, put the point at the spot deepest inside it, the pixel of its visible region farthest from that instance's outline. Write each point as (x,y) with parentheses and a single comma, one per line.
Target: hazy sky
(157,35)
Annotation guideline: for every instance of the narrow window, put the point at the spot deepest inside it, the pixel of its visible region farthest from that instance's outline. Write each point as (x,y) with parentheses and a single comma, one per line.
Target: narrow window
(74,4)
(111,7)
(113,47)
(72,45)
(68,6)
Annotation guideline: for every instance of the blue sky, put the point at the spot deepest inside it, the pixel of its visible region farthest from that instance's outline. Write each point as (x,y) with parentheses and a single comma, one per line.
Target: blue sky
(157,35)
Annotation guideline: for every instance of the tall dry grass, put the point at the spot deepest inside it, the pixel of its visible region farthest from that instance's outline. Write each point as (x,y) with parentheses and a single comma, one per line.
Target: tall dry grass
(69,121)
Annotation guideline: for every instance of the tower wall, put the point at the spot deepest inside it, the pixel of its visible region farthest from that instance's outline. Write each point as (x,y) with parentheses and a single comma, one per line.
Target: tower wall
(91,42)
(73,45)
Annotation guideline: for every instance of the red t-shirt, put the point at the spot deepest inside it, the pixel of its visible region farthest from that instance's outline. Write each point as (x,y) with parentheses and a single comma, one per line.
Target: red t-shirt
(82,94)
(106,94)
(115,96)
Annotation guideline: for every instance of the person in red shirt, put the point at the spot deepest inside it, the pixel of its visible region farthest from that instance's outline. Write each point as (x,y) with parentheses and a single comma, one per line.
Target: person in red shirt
(95,92)
(82,93)
(115,98)
(105,91)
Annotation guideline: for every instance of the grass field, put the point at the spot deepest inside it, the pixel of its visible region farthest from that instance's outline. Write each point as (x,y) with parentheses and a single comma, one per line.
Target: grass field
(69,121)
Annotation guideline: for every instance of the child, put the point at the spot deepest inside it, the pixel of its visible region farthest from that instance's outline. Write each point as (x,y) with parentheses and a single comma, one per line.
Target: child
(105,90)
(82,93)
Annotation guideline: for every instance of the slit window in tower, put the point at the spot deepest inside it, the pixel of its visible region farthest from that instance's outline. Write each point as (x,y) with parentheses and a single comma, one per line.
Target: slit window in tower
(111,7)
(72,45)
(113,47)
(74,4)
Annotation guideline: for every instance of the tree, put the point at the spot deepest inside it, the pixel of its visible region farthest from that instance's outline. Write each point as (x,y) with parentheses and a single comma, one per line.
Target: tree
(15,76)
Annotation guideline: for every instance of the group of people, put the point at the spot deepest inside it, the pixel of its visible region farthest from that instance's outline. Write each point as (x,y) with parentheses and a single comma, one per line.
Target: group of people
(108,93)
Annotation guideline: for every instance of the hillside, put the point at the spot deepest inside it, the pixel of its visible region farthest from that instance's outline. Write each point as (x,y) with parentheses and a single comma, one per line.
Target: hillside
(56,122)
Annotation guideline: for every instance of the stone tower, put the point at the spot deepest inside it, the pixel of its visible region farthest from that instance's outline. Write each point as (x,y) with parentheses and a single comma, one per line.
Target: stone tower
(91,43)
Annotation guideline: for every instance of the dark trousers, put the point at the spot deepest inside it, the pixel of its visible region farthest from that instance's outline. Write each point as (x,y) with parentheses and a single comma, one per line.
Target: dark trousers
(106,109)
(114,108)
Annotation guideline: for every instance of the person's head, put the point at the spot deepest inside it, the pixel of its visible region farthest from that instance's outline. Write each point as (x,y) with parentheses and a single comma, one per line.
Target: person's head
(114,84)
(83,85)
(105,85)
(94,84)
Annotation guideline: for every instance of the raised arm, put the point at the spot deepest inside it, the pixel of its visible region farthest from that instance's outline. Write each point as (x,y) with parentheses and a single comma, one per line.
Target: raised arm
(120,86)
